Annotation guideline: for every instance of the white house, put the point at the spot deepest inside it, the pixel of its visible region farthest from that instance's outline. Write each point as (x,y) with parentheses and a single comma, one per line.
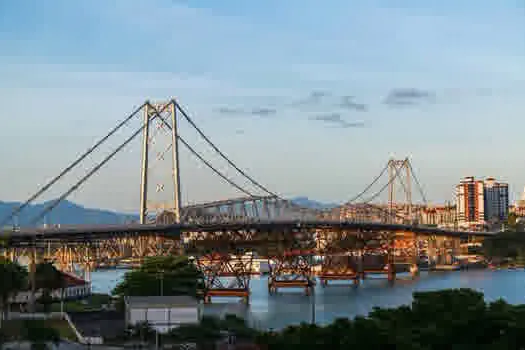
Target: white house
(162,312)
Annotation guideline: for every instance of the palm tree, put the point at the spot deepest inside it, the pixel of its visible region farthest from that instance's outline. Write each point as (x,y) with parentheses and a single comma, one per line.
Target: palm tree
(13,279)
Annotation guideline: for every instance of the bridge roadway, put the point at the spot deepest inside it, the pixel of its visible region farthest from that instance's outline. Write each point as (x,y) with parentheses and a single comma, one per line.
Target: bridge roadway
(24,236)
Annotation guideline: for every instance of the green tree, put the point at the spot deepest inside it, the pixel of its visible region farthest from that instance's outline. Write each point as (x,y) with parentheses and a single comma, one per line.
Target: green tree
(165,275)
(48,278)
(453,319)
(512,222)
(205,334)
(13,279)
(505,245)
(238,327)
(39,335)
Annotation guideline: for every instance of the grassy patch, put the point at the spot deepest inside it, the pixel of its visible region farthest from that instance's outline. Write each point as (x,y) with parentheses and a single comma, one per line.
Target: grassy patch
(15,330)
(92,303)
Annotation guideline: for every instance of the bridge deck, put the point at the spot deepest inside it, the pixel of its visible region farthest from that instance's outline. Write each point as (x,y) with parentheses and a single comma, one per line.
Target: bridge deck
(174,230)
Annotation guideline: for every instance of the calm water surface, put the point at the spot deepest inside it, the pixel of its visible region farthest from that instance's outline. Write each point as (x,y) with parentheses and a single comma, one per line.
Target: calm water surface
(292,306)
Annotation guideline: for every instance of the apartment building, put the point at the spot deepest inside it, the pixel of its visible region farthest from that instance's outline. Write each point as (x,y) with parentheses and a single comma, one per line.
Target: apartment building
(480,202)
(496,200)
(470,202)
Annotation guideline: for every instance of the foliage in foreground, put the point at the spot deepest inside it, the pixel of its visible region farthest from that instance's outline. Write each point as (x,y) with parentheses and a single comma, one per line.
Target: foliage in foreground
(38,333)
(13,278)
(163,275)
(457,319)
(452,319)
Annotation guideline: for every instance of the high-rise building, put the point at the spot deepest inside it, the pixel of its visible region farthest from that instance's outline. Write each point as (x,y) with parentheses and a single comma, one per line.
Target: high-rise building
(496,200)
(470,204)
(479,202)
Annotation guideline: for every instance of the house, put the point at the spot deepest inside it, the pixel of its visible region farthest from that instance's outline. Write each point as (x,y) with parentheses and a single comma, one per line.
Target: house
(75,288)
(162,312)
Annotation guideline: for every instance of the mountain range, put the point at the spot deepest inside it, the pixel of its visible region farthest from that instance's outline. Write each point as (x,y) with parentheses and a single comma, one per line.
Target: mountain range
(69,213)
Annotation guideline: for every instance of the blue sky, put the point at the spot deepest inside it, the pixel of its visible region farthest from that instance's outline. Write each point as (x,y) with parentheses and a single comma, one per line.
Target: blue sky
(348,84)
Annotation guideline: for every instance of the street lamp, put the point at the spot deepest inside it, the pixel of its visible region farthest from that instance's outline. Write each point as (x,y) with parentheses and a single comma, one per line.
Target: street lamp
(161,276)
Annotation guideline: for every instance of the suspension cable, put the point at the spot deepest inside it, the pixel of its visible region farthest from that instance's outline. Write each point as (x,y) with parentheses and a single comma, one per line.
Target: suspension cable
(369,186)
(86,177)
(224,156)
(200,157)
(377,194)
(71,166)
(396,175)
(420,188)
(215,170)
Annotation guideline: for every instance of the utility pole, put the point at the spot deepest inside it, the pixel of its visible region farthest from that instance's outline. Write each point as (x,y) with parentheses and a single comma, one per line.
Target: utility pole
(313,308)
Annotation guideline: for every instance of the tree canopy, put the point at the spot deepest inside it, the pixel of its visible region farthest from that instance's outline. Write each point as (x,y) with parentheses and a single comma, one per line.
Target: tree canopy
(13,278)
(452,319)
(509,245)
(48,278)
(40,336)
(163,275)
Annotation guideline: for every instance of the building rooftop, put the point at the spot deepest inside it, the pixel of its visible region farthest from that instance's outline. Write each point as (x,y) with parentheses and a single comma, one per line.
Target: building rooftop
(73,281)
(160,301)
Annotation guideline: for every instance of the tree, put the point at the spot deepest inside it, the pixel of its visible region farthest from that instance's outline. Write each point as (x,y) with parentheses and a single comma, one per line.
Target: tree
(505,245)
(512,222)
(204,334)
(39,335)
(13,279)
(238,327)
(164,275)
(49,278)
(456,319)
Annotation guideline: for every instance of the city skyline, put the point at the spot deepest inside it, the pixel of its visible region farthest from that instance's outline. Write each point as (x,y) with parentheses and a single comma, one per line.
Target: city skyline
(292,100)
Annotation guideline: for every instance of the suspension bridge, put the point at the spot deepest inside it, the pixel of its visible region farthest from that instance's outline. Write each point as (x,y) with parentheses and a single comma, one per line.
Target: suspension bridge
(224,236)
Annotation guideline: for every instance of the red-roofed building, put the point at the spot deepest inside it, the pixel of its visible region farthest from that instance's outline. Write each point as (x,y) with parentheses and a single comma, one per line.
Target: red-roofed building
(76,288)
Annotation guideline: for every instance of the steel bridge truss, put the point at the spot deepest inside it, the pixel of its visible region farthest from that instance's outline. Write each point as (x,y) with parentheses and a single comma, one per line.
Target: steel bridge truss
(226,257)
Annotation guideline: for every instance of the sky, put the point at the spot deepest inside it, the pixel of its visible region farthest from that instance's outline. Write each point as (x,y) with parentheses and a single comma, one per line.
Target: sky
(310,97)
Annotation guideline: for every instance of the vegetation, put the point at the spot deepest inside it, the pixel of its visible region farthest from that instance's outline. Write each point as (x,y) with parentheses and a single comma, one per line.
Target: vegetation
(512,222)
(163,275)
(13,279)
(453,319)
(506,246)
(456,319)
(40,333)
(92,303)
(48,279)
(205,334)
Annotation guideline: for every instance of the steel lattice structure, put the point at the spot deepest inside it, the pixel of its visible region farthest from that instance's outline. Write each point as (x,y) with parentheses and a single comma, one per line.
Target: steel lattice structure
(224,237)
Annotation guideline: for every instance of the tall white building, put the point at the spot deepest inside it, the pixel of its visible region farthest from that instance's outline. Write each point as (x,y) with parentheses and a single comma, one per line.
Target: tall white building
(470,208)
(496,200)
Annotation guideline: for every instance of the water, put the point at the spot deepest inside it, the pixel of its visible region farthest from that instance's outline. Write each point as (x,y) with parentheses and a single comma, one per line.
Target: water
(344,300)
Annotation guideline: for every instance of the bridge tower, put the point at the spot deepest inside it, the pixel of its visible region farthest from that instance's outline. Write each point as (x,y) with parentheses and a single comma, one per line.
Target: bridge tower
(401,170)
(165,115)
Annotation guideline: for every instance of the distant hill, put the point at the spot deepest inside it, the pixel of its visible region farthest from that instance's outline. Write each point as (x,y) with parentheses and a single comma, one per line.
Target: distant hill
(69,213)
(66,213)
(310,203)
